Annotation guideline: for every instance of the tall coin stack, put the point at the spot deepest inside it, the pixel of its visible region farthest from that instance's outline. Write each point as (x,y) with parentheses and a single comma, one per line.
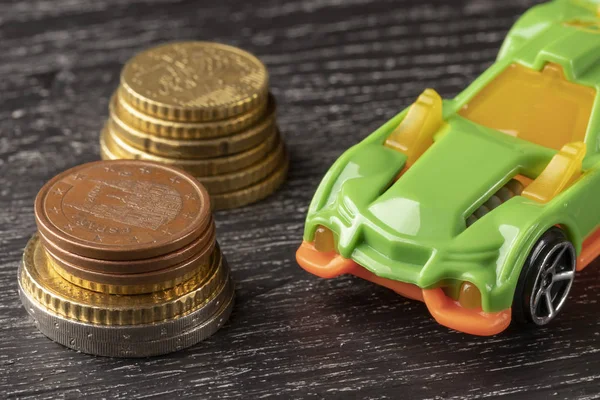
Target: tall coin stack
(205,108)
(125,261)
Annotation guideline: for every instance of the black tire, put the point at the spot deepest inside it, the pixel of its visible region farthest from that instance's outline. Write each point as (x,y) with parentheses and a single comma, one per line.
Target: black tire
(545,280)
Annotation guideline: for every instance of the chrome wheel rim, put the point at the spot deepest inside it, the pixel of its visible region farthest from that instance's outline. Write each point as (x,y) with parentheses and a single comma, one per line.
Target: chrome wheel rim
(553,283)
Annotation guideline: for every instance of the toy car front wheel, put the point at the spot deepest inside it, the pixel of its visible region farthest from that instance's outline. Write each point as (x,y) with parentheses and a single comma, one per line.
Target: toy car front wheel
(545,280)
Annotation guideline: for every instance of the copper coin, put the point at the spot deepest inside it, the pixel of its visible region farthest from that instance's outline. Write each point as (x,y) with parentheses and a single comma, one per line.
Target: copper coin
(191,265)
(122,210)
(132,266)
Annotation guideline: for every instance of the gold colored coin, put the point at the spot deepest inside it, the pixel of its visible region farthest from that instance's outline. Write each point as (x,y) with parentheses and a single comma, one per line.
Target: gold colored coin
(199,168)
(194,149)
(43,284)
(194,81)
(185,130)
(252,193)
(120,289)
(241,179)
(220,183)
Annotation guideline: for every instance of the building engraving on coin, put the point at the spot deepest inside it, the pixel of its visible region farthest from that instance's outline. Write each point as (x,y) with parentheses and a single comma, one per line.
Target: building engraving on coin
(137,203)
(118,207)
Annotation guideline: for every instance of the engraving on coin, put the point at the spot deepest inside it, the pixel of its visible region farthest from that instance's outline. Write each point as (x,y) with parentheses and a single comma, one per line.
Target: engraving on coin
(189,74)
(216,80)
(137,203)
(130,209)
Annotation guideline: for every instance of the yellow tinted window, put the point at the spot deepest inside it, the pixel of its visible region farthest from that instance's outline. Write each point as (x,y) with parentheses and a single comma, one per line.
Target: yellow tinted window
(541,107)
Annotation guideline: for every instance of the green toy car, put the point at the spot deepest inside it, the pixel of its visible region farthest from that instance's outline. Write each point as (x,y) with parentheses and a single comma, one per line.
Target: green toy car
(483,206)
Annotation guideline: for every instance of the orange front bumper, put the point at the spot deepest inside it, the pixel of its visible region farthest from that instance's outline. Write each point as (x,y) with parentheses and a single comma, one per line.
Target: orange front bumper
(445,310)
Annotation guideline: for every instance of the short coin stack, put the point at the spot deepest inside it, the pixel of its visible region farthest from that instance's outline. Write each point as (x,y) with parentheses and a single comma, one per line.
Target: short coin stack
(205,108)
(125,261)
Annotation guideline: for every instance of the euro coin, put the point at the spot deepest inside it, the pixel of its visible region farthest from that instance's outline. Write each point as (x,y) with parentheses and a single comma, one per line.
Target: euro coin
(225,183)
(48,288)
(122,210)
(125,333)
(185,130)
(142,340)
(144,282)
(252,193)
(132,266)
(205,167)
(125,262)
(194,81)
(194,148)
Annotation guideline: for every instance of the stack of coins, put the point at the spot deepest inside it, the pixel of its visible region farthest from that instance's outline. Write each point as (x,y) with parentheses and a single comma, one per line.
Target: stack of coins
(205,108)
(125,261)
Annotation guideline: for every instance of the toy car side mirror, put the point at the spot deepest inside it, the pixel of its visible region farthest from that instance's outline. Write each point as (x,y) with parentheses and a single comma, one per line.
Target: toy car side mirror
(415,133)
(564,168)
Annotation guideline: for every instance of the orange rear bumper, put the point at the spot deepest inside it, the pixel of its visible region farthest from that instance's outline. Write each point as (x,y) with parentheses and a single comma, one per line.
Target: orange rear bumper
(445,310)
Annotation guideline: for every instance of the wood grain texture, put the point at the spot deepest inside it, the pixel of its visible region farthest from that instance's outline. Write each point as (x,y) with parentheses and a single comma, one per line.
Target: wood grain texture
(339,69)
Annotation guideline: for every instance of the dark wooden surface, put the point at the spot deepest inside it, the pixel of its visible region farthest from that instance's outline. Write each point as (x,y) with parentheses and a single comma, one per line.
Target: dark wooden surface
(339,69)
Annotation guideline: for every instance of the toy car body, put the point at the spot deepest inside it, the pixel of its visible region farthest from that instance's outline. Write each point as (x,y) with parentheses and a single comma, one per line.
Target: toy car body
(482,206)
